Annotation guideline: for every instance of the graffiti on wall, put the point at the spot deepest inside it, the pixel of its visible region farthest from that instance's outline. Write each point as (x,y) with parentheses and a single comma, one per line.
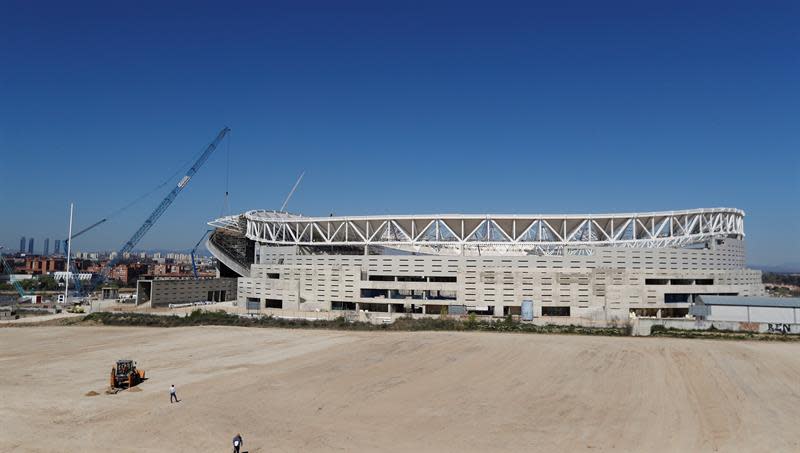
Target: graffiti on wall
(748,326)
(778,328)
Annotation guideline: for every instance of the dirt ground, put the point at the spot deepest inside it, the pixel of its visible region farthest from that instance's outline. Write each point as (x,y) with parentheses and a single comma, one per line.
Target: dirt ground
(292,390)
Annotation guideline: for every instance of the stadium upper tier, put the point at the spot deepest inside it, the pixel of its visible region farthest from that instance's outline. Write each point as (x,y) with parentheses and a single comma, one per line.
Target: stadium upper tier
(455,233)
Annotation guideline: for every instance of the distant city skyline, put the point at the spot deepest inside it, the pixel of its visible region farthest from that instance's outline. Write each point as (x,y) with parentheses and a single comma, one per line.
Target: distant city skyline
(28,245)
(514,108)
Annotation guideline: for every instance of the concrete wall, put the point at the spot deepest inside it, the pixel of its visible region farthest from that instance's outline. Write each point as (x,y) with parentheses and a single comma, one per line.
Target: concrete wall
(161,293)
(643,326)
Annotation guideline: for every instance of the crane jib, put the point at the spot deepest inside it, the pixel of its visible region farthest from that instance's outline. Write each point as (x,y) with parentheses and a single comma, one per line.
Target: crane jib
(150,221)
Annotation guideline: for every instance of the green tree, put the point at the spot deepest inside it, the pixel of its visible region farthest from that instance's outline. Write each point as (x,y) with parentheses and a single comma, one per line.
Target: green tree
(29,285)
(48,283)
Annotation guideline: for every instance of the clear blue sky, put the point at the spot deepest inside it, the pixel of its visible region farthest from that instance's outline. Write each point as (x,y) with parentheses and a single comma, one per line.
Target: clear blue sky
(410,107)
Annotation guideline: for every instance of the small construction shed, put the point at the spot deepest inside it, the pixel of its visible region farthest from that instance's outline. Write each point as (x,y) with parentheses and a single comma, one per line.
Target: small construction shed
(747,309)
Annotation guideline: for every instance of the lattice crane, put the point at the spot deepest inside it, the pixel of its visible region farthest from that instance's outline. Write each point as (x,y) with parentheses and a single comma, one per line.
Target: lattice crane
(165,203)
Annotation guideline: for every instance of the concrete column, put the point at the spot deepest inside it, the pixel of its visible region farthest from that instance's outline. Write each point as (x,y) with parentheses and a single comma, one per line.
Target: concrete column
(498,310)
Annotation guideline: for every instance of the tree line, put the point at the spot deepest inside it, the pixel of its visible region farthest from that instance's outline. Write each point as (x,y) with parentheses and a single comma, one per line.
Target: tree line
(773,278)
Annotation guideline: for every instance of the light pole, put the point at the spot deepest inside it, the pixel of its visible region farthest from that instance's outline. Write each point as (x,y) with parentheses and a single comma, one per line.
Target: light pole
(69,246)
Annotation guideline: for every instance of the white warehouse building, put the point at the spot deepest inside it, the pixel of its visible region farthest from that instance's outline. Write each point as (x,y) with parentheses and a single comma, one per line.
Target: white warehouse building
(747,309)
(598,266)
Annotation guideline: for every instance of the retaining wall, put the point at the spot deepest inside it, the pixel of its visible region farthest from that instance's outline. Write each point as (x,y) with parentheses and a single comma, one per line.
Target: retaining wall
(643,326)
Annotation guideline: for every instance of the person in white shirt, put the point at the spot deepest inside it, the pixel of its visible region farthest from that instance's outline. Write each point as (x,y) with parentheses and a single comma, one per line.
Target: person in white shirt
(237,443)
(173,397)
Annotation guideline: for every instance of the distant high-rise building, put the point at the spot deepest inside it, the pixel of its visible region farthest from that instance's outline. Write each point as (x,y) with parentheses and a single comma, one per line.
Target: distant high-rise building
(22,245)
(46,249)
(57,247)
(30,246)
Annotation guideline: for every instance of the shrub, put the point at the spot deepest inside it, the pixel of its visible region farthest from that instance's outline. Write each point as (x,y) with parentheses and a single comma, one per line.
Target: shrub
(472,322)
(221,318)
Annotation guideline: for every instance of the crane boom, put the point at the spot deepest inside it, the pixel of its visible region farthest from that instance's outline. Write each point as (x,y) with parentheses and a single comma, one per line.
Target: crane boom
(165,203)
(291,192)
(66,241)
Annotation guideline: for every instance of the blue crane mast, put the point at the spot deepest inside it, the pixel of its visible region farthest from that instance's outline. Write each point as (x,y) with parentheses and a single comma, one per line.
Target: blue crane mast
(10,273)
(194,265)
(165,203)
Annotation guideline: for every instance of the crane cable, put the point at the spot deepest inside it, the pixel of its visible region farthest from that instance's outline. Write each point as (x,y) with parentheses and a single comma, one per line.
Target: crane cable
(225,203)
(169,180)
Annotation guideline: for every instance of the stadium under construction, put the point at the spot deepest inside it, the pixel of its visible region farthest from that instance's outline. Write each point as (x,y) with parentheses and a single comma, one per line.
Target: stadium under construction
(598,266)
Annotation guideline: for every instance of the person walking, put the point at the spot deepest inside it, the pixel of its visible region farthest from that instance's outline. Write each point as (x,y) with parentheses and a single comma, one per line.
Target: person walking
(237,443)
(173,397)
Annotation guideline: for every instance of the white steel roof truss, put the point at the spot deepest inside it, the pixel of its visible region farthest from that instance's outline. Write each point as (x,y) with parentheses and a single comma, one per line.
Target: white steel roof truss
(674,228)
(601,229)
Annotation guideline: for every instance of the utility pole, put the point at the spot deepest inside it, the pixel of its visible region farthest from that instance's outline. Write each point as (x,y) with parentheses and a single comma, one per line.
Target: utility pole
(69,246)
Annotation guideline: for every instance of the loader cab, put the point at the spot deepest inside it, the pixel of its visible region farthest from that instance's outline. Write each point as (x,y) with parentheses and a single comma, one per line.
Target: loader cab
(125,366)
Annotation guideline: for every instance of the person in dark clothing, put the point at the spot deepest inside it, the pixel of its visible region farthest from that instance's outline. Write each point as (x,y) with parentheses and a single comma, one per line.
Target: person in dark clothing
(237,443)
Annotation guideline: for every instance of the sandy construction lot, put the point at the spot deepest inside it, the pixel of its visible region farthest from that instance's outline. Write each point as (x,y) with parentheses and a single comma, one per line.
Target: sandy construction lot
(291,390)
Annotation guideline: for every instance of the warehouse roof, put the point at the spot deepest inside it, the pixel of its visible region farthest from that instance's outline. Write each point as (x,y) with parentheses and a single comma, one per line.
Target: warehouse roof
(785,302)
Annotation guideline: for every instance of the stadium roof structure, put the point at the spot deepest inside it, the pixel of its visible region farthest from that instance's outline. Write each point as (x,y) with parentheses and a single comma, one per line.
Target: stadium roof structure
(507,234)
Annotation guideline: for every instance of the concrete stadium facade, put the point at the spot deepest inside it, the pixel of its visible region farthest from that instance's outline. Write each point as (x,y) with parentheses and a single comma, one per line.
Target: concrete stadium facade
(599,267)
